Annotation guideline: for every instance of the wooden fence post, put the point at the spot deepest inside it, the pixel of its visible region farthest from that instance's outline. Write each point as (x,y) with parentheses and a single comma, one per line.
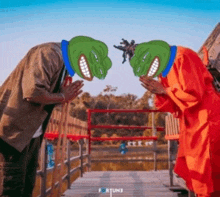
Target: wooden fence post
(44,167)
(88,157)
(63,147)
(81,156)
(170,163)
(68,163)
(191,194)
(171,129)
(155,142)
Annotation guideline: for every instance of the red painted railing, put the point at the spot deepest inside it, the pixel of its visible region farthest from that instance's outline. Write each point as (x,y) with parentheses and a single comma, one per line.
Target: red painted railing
(77,129)
(90,126)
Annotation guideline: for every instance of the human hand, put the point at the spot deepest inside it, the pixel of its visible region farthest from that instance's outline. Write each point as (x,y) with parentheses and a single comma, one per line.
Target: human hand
(152,85)
(72,90)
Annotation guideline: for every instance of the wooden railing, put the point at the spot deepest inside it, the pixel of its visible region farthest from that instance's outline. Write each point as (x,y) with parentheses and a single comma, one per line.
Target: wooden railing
(172,127)
(172,135)
(75,127)
(76,131)
(153,128)
(43,172)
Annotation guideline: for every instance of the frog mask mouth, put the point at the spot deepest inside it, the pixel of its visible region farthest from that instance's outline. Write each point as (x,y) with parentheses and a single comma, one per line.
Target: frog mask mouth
(86,57)
(154,67)
(84,68)
(150,58)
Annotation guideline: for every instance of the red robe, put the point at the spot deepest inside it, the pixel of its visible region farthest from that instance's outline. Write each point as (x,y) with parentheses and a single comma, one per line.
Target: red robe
(193,99)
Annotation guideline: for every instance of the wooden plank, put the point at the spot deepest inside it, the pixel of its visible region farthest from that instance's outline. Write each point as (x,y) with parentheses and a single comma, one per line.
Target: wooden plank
(173,123)
(172,128)
(57,153)
(128,160)
(166,126)
(133,183)
(169,125)
(212,44)
(63,148)
(176,126)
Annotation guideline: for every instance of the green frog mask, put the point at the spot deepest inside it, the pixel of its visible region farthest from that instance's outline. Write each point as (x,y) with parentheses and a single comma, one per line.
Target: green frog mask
(87,57)
(150,58)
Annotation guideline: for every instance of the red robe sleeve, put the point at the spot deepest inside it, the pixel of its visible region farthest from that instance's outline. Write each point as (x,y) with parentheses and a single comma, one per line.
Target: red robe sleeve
(188,92)
(185,84)
(166,104)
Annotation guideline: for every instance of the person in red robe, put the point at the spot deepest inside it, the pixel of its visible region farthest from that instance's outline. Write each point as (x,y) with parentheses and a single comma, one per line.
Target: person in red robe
(187,91)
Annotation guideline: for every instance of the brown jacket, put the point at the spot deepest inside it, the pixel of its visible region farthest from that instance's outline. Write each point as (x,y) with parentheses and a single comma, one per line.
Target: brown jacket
(38,72)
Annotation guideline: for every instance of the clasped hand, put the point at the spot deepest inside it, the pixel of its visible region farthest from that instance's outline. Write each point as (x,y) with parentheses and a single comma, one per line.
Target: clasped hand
(152,85)
(72,90)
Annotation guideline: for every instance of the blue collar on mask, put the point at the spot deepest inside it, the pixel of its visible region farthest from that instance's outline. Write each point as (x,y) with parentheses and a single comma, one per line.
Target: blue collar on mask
(173,50)
(64,48)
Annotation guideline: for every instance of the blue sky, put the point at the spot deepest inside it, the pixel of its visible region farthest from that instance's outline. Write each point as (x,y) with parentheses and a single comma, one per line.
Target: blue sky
(24,24)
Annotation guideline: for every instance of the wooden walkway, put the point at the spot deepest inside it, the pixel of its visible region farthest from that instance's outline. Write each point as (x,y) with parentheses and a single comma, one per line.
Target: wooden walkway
(133,183)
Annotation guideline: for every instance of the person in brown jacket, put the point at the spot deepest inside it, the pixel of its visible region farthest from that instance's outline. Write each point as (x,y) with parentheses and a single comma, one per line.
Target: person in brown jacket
(27,98)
